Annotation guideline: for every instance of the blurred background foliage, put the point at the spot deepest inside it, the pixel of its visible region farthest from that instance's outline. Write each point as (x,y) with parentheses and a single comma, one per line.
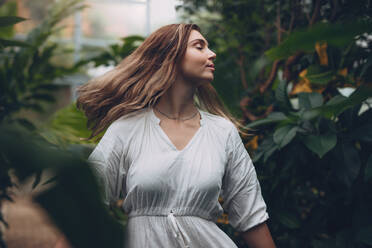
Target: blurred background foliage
(298,73)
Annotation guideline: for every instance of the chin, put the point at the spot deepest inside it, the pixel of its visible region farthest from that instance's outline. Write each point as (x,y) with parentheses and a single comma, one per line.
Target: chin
(205,81)
(208,78)
(202,80)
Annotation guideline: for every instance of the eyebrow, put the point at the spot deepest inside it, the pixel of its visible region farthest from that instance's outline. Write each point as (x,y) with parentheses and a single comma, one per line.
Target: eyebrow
(200,40)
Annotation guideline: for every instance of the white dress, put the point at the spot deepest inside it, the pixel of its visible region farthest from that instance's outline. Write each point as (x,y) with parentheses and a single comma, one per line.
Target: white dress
(171,196)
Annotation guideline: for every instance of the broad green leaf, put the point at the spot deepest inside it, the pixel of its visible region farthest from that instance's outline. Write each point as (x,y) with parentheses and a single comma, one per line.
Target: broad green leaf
(320,144)
(277,116)
(319,74)
(336,100)
(281,95)
(266,148)
(368,169)
(10,20)
(289,220)
(74,202)
(335,34)
(68,126)
(310,100)
(335,107)
(284,135)
(271,118)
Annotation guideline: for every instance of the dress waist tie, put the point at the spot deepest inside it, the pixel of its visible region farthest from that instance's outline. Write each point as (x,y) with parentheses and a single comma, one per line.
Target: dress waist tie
(178,232)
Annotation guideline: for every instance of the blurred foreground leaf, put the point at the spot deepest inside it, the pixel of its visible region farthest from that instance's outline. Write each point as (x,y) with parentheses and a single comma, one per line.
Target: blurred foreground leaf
(74,201)
(336,34)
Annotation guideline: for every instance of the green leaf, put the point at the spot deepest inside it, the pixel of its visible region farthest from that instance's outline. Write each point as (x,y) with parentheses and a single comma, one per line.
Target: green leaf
(67,126)
(320,144)
(310,100)
(335,34)
(284,135)
(271,118)
(266,148)
(336,100)
(335,107)
(74,202)
(10,20)
(6,43)
(281,95)
(368,169)
(318,74)
(289,220)
(83,218)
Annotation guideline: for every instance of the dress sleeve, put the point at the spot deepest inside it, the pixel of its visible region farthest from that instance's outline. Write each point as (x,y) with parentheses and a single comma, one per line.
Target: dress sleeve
(241,192)
(107,163)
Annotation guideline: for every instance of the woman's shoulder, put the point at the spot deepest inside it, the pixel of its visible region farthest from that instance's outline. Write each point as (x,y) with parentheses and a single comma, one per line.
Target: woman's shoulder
(218,121)
(127,123)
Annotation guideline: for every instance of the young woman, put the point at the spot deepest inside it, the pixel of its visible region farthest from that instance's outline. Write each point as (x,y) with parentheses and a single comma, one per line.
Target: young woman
(171,148)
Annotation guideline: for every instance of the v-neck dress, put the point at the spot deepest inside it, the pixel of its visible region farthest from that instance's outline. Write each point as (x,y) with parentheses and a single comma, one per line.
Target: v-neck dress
(171,196)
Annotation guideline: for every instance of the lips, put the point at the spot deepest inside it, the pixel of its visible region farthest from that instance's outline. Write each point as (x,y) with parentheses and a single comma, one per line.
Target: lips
(211,66)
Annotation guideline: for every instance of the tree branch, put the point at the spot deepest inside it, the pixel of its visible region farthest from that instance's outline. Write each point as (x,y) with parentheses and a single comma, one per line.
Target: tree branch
(272,76)
(289,63)
(240,63)
(335,8)
(293,15)
(244,104)
(316,13)
(278,24)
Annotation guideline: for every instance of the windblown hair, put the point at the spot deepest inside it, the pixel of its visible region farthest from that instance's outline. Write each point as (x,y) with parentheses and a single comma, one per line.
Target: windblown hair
(140,79)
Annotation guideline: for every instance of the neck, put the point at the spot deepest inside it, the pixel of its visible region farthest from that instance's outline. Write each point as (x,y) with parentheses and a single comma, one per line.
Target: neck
(178,100)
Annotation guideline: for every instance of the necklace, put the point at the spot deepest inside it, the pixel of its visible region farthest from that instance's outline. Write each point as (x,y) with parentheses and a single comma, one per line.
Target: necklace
(173,118)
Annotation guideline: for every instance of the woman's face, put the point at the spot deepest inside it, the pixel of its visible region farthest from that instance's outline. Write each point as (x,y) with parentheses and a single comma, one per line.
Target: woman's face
(197,64)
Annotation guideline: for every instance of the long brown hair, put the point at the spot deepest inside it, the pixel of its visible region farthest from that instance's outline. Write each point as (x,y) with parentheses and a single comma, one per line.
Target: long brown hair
(142,78)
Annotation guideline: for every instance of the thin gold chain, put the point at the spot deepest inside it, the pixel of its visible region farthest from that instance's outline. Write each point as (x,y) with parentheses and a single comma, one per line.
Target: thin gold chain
(173,118)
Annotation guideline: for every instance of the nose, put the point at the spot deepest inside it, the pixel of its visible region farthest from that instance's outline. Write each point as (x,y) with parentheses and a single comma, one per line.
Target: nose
(212,55)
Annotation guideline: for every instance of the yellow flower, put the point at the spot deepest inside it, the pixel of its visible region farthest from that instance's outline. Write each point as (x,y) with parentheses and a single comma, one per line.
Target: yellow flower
(303,85)
(343,72)
(252,144)
(321,50)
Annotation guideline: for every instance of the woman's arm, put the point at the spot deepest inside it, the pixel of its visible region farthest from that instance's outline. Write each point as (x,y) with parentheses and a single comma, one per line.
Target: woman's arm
(259,237)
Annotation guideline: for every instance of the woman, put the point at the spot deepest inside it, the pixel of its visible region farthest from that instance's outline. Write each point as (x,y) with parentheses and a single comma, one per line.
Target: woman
(171,148)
